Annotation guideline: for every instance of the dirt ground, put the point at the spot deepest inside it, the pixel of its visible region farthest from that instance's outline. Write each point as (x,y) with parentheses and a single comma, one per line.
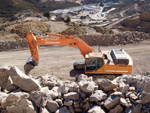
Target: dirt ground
(58,61)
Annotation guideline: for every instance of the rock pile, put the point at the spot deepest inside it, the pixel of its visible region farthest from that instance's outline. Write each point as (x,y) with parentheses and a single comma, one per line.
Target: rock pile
(123,38)
(45,94)
(92,40)
(13,44)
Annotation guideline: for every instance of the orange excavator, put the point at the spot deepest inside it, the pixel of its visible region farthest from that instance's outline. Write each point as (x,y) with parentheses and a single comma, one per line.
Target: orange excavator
(116,61)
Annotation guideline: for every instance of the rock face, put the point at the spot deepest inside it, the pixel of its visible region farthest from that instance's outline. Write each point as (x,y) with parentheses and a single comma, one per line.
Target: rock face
(23,81)
(4,74)
(23,94)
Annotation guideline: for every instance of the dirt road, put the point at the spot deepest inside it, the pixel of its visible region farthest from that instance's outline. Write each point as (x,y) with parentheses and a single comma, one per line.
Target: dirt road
(58,61)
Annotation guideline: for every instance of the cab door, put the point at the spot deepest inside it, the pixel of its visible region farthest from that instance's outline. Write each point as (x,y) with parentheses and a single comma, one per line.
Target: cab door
(93,64)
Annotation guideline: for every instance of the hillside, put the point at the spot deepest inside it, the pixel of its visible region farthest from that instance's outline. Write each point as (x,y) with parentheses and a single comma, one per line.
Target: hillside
(10,7)
(117,1)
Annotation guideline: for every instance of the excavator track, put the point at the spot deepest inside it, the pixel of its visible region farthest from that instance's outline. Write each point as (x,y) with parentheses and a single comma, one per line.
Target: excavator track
(79,66)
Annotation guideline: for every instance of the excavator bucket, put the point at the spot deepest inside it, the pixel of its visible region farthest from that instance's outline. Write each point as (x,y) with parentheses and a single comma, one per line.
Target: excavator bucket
(29,66)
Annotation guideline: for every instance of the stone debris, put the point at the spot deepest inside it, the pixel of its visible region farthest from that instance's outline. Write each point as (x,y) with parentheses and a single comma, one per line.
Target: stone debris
(46,94)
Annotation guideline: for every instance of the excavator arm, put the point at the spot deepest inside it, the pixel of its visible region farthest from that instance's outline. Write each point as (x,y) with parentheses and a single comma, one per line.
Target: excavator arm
(34,39)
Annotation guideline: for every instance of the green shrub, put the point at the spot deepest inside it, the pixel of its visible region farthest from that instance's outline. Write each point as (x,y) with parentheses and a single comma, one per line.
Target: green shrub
(46,14)
(68,19)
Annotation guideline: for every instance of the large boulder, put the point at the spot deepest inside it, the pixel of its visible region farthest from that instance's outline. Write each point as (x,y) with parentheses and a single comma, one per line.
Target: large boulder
(4,74)
(98,95)
(106,84)
(71,95)
(96,109)
(111,102)
(23,81)
(52,106)
(87,86)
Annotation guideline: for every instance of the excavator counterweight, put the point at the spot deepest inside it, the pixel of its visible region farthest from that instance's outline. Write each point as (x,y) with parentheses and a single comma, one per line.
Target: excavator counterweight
(116,61)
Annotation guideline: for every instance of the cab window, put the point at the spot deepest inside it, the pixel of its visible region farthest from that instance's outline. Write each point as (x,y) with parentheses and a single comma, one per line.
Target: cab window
(94,64)
(100,63)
